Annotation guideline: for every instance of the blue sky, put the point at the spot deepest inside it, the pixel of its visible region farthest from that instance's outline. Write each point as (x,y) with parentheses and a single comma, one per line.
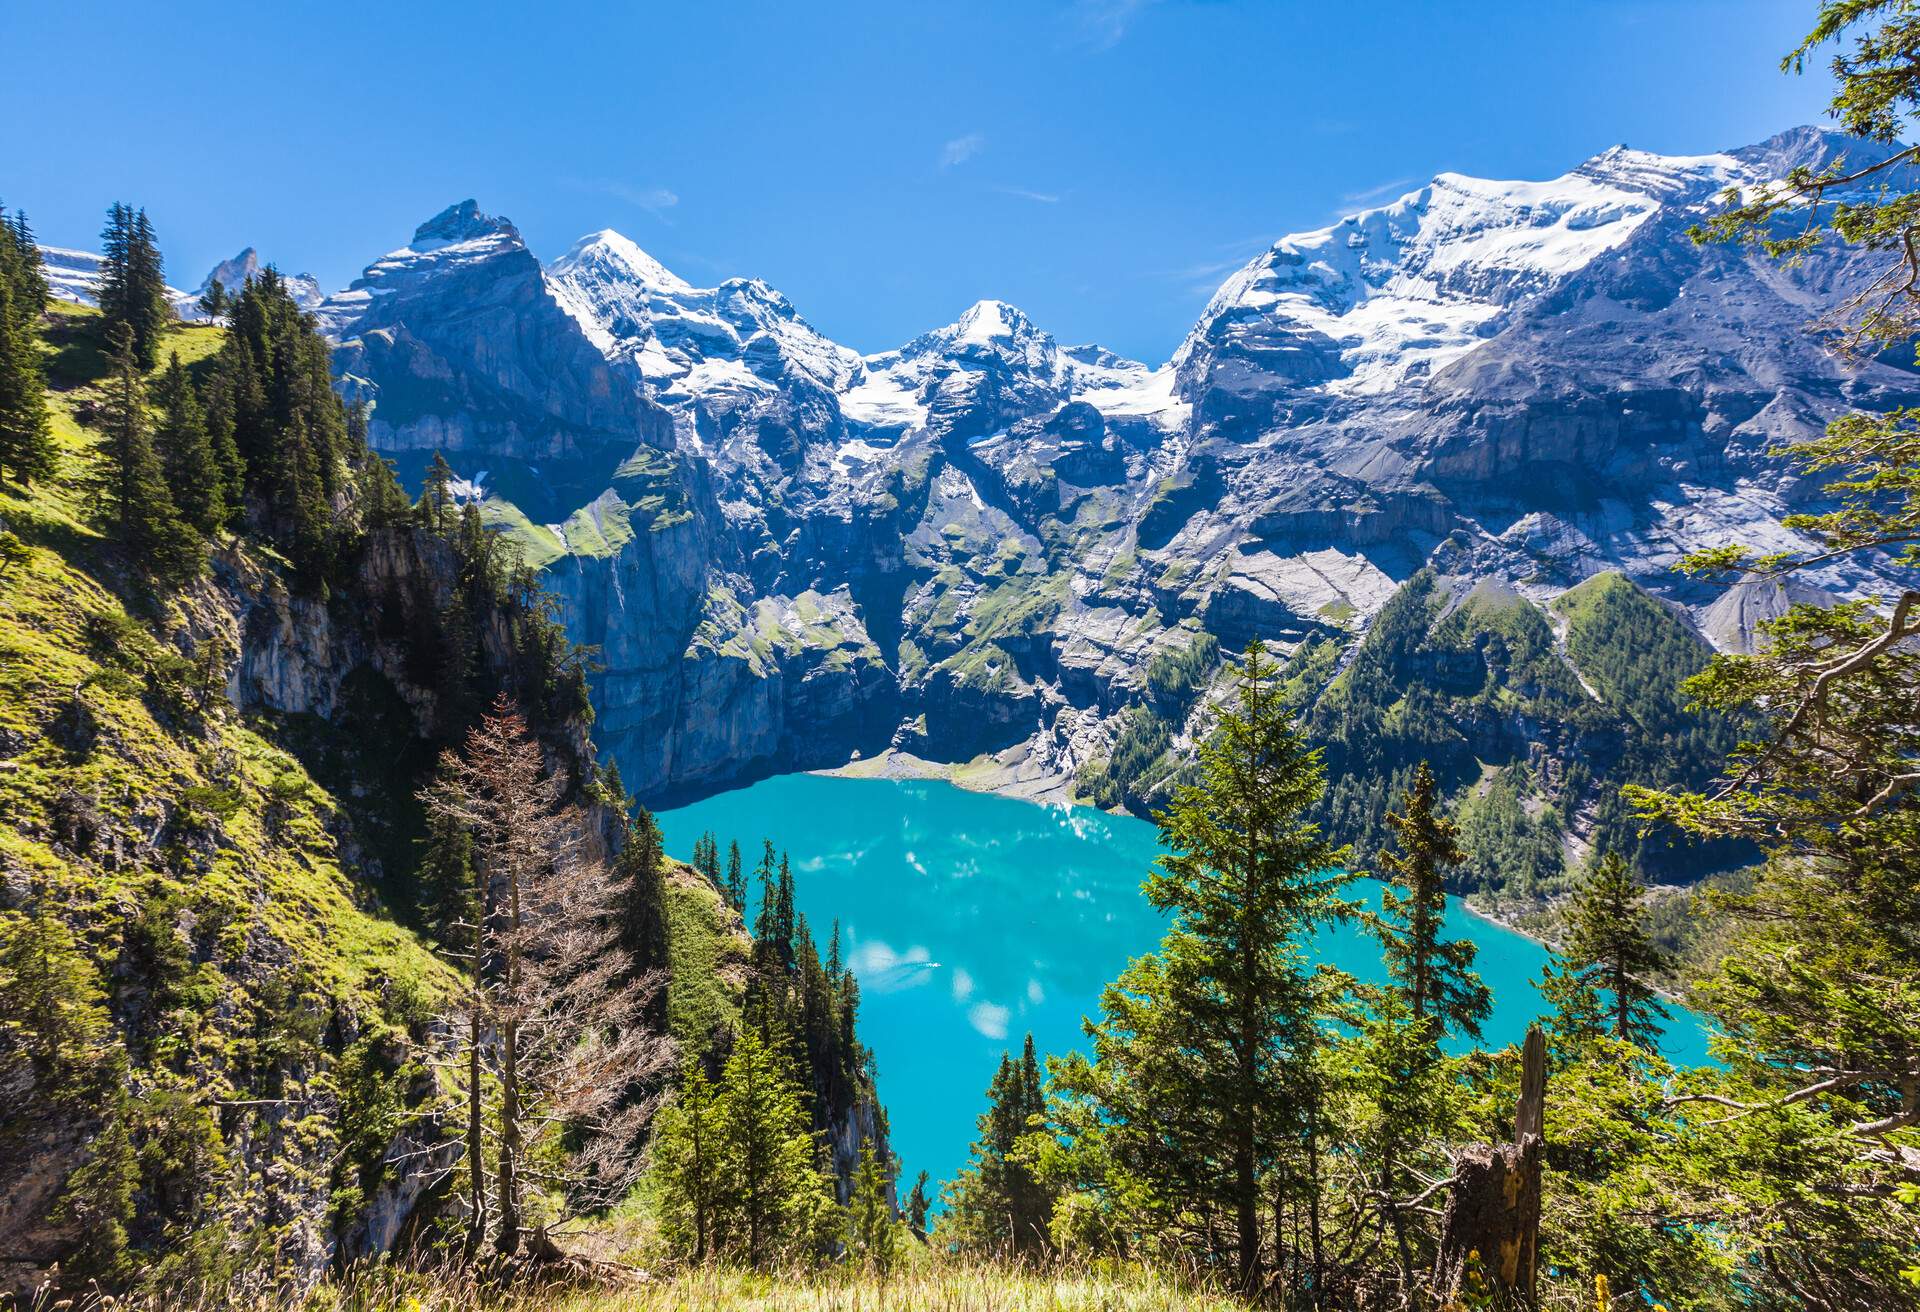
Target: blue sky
(1101,163)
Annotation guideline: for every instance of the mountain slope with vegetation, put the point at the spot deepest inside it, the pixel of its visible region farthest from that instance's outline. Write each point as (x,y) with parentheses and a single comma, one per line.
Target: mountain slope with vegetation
(238,669)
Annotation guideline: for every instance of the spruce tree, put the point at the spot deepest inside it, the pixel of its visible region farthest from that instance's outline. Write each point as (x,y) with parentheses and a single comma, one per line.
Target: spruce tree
(213,301)
(919,1203)
(436,494)
(383,502)
(221,407)
(736,885)
(785,926)
(778,1197)
(1206,1086)
(449,883)
(133,289)
(53,1014)
(1436,975)
(689,1159)
(997,1205)
(138,506)
(272,390)
(640,870)
(26,437)
(197,482)
(872,1238)
(22,266)
(1608,949)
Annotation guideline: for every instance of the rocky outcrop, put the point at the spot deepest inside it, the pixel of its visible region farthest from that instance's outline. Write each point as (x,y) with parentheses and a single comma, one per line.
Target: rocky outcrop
(1530,382)
(458,346)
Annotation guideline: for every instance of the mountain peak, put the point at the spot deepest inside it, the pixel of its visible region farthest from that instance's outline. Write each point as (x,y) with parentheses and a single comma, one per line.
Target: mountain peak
(459,222)
(619,254)
(987,321)
(1812,146)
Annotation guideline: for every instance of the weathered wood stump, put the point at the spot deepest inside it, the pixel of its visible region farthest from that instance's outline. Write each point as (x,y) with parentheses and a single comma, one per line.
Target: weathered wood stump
(1493,1214)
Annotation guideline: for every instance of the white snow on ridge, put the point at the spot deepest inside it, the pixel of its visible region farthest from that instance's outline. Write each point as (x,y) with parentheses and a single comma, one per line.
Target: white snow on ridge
(75,276)
(993,337)
(745,337)
(1419,281)
(72,275)
(685,339)
(883,399)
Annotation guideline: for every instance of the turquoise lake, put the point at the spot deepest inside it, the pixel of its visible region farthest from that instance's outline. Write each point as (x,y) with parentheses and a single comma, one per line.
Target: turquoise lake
(971,919)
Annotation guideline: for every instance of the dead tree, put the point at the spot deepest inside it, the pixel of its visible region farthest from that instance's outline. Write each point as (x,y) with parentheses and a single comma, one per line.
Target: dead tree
(553,1005)
(1493,1214)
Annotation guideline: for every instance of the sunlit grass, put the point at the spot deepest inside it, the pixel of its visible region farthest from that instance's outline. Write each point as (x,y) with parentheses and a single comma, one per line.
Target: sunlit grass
(932,1283)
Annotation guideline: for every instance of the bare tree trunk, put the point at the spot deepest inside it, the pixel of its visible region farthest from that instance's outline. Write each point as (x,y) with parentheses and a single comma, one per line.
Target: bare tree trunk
(1313,1206)
(476,1162)
(1494,1210)
(551,984)
(508,1241)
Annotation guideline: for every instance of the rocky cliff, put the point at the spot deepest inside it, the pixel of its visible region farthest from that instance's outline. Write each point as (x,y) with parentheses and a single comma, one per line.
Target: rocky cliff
(788,553)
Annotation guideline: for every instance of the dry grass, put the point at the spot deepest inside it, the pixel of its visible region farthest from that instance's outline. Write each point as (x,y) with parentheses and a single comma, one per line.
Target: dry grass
(932,1285)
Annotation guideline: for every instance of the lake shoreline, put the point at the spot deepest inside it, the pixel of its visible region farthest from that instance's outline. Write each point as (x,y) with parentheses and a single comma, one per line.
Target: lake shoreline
(1010,774)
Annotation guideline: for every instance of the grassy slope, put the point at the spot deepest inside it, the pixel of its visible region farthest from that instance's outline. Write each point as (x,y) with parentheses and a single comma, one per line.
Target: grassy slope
(926,1280)
(243,832)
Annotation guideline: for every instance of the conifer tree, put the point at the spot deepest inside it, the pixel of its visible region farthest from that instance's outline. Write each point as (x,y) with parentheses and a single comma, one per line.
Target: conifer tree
(1609,950)
(138,505)
(383,502)
(689,1157)
(1206,1083)
(21,265)
(1436,975)
(436,494)
(873,1238)
(640,870)
(551,997)
(997,1205)
(220,403)
(736,885)
(213,301)
(778,1198)
(272,390)
(133,289)
(194,476)
(449,888)
(26,439)
(53,1015)
(919,1203)
(785,927)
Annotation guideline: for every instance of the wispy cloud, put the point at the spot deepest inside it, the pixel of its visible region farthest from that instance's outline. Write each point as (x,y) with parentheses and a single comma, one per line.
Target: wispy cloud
(654,200)
(1203,276)
(989,1019)
(962,149)
(1038,197)
(1394,189)
(1103,24)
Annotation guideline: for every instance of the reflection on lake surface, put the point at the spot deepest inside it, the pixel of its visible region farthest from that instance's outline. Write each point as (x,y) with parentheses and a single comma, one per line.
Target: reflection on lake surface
(971,919)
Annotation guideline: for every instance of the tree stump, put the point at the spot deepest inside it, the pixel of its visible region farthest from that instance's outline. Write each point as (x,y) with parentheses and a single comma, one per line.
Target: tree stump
(1493,1214)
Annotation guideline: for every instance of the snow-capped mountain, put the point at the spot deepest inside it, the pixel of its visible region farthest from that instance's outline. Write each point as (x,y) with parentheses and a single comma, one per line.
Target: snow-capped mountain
(690,341)
(979,538)
(1363,304)
(75,276)
(458,344)
(693,344)
(991,366)
(232,274)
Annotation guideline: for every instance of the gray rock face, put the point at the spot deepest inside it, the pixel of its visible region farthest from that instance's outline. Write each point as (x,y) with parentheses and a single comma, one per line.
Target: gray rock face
(787,552)
(457,344)
(233,274)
